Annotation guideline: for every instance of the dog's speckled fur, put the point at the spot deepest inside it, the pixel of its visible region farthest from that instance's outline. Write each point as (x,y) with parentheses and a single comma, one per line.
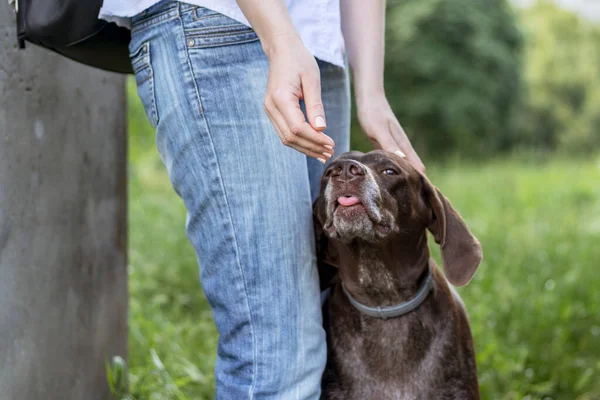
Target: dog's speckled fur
(381,254)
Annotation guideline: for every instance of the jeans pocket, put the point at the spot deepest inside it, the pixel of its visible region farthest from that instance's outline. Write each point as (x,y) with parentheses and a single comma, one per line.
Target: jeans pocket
(211,29)
(141,62)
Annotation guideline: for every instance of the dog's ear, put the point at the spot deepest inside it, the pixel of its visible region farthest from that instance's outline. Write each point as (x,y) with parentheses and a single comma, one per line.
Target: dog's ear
(327,259)
(461,251)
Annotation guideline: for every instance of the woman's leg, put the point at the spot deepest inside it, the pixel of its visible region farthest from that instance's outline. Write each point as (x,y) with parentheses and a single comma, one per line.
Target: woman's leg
(335,92)
(202,79)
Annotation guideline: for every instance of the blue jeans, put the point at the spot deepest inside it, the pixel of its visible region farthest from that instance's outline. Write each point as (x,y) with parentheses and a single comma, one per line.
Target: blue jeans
(202,78)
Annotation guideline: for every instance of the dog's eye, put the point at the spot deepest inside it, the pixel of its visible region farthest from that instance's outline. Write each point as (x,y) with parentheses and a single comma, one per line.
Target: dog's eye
(389,171)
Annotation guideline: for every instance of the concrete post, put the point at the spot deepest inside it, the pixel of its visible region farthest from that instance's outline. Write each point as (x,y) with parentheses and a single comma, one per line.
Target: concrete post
(63,226)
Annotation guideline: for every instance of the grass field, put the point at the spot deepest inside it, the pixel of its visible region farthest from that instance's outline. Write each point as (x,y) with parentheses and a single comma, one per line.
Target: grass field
(534,304)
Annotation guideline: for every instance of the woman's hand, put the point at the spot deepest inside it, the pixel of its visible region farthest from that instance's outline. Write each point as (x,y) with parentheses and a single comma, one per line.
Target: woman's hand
(363,26)
(383,129)
(293,76)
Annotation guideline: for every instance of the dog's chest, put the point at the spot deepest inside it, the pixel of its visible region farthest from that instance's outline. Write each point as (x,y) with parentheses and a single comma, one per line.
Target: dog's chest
(384,371)
(394,359)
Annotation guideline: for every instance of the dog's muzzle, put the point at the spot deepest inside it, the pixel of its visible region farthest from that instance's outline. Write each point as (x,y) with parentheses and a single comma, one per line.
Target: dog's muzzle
(353,203)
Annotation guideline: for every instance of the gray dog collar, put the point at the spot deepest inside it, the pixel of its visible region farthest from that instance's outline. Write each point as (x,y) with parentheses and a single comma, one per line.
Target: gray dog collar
(396,310)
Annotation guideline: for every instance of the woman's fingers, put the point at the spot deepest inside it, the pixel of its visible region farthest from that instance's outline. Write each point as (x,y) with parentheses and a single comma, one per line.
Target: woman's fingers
(391,137)
(293,129)
(305,147)
(311,89)
(405,146)
(381,137)
(383,129)
(293,76)
(297,141)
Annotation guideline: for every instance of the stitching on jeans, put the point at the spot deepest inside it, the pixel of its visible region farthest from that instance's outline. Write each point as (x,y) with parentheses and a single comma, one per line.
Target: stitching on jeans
(164,16)
(218,35)
(151,78)
(226,30)
(141,60)
(204,46)
(205,16)
(232,34)
(234,37)
(222,187)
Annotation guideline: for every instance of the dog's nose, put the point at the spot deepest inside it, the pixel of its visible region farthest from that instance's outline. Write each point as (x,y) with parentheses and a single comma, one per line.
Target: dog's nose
(347,170)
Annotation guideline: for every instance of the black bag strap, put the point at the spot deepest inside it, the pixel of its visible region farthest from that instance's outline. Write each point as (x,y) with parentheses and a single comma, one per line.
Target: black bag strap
(72,29)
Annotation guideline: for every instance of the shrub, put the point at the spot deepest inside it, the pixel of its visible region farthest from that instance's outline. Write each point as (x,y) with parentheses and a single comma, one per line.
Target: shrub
(453,73)
(562,102)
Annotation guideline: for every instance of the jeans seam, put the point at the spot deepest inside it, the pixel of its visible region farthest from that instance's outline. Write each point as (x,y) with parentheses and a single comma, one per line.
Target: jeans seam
(219,30)
(206,16)
(224,191)
(165,16)
(207,46)
(142,60)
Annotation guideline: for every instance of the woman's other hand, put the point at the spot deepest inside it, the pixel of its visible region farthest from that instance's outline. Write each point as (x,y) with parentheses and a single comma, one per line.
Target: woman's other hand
(381,126)
(363,26)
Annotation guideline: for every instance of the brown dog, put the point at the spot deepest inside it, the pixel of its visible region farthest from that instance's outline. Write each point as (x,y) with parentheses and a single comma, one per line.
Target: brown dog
(395,328)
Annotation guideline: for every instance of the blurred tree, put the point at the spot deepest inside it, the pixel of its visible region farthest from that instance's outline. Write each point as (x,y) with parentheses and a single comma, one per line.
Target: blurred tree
(562,102)
(453,74)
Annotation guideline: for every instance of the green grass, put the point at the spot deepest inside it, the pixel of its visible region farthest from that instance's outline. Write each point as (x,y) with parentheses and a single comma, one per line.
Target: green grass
(534,304)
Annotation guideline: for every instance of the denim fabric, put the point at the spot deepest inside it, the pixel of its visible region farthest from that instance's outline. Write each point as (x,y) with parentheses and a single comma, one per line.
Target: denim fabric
(202,77)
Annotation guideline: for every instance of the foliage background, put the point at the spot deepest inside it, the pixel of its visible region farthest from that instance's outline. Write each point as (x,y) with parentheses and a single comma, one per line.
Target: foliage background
(561,105)
(479,78)
(453,73)
(504,107)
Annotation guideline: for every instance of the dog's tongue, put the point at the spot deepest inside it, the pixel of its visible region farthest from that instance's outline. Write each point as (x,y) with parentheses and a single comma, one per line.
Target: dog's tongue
(348,201)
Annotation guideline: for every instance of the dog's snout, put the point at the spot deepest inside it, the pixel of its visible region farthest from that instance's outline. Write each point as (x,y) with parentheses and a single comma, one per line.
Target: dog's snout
(347,170)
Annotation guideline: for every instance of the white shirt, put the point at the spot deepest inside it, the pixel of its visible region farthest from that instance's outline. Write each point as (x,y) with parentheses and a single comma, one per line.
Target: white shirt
(317,22)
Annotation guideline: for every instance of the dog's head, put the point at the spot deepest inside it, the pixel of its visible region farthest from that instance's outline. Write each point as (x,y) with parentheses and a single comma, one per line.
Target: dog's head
(379,197)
